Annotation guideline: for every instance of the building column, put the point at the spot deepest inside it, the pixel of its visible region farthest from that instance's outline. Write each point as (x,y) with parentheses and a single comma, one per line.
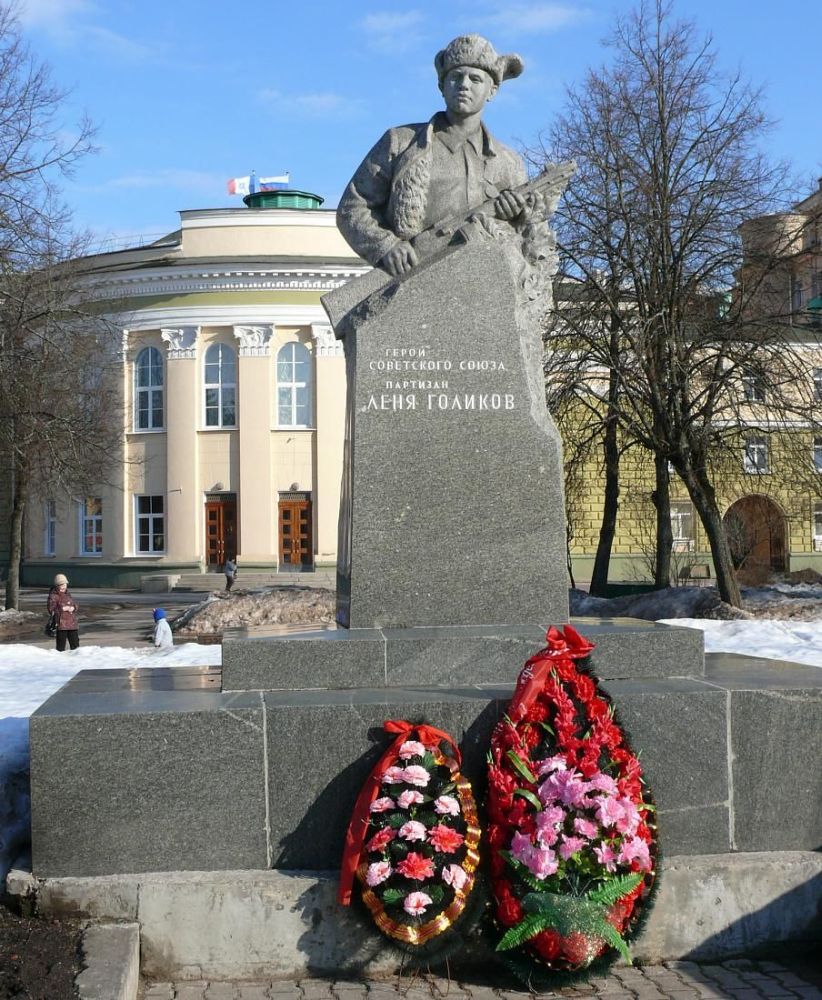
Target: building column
(184,502)
(330,409)
(256,507)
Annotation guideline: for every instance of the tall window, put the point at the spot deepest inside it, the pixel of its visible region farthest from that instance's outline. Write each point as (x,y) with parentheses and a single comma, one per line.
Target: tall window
(150,524)
(148,390)
(91,526)
(50,527)
(220,386)
(293,386)
(682,525)
(817,384)
(817,454)
(754,387)
(797,294)
(755,457)
(817,527)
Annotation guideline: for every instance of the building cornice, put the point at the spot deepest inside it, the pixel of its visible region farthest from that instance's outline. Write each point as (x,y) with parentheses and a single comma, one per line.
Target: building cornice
(144,282)
(160,317)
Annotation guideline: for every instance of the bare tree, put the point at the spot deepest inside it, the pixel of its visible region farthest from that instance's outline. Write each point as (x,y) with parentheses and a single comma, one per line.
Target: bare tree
(669,168)
(58,412)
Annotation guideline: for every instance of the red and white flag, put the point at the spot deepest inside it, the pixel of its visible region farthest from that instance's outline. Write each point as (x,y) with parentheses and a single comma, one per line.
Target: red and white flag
(239,185)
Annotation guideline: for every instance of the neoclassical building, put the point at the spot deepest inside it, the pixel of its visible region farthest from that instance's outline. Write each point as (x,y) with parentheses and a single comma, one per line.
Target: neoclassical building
(234,390)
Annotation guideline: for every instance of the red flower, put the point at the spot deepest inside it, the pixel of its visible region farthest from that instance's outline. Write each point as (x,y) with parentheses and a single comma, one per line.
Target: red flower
(538,712)
(509,911)
(584,688)
(547,944)
(445,839)
(381,839)
(416,866)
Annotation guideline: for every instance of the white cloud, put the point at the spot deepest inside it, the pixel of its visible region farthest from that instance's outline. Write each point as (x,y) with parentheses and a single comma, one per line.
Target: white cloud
(530,18)
(321,104)
(70,24)
(390,31)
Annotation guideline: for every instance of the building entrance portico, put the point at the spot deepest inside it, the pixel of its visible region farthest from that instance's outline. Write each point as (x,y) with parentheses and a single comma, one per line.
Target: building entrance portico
(220,529)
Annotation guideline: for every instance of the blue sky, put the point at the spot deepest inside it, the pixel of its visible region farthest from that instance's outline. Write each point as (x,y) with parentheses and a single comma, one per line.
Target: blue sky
(188,94)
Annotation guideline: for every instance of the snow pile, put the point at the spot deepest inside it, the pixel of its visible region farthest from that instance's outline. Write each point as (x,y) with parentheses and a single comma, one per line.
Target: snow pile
(796,642)
(270,606)
(673,602)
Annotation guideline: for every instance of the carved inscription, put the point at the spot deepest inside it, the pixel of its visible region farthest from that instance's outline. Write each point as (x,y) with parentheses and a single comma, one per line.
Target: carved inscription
(400,388)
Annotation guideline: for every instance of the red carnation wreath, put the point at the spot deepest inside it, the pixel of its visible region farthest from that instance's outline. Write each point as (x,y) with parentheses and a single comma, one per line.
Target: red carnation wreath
(573,852)
(412,841)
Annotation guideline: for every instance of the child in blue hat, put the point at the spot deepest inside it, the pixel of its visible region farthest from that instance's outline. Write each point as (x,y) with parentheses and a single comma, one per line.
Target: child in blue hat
(162,630)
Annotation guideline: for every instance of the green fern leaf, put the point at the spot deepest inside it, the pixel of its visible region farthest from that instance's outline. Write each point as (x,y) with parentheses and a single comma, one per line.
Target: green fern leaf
(613,890)
(524,931)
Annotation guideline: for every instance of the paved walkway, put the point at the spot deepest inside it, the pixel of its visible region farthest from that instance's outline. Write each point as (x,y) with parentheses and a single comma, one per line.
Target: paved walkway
(737,980)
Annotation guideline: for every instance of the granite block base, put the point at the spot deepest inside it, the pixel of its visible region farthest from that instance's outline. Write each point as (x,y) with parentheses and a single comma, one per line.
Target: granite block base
(146,771)
(293,657)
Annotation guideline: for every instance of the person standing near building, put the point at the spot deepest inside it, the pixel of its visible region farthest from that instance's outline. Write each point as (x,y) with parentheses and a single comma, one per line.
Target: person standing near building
(162,630)
(230,570)
(63,606)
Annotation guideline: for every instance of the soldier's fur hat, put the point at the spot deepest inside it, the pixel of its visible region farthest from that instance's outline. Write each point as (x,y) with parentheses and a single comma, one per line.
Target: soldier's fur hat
(474,50)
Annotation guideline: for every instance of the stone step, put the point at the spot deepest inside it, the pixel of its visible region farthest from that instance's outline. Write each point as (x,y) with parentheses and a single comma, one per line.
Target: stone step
(247,580)
(291,657)
(254,924)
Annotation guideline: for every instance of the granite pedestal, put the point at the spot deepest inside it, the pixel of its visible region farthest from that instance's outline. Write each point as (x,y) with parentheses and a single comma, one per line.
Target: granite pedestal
(159,770)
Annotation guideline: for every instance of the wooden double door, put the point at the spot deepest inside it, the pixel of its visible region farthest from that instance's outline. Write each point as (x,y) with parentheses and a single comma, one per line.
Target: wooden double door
(220,530)
(296,521)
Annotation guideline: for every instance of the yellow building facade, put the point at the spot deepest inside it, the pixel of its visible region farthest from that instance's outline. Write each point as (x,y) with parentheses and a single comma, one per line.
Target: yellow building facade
(234,400)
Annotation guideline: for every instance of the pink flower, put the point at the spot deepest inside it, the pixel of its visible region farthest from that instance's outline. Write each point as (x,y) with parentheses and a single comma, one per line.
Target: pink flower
(629,821)
(378,872)
(586,827)
(416,775)
(447,805)
(542,863)
(455,876)
(413,830)
(394,775)
(566,787)
(635,848)
(606,856)
(546,825)
(603,783)
(416,903)
(570,845)
(556,763)
(409,797)
(382,805)
(411,748)
(609,811)
(521,847)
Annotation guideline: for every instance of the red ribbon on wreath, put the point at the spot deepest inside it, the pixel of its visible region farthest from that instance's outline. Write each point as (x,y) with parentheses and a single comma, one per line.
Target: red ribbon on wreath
(568,644)
(355,837)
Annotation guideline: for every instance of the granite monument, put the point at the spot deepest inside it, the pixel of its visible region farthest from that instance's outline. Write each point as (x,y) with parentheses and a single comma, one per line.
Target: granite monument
(452,503)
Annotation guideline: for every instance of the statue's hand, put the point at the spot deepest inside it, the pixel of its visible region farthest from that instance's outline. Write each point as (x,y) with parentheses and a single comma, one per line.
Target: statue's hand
(399,260)
(508,204)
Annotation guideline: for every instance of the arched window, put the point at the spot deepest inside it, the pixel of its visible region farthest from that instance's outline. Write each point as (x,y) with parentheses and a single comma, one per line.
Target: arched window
(220,386)
(293,386)
(148,390)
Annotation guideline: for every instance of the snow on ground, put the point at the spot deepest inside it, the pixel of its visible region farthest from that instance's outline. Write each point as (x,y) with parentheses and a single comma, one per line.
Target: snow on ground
(799,642)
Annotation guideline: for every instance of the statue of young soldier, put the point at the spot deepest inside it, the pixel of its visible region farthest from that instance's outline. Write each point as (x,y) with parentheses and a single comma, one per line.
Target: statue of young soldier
(421,174)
